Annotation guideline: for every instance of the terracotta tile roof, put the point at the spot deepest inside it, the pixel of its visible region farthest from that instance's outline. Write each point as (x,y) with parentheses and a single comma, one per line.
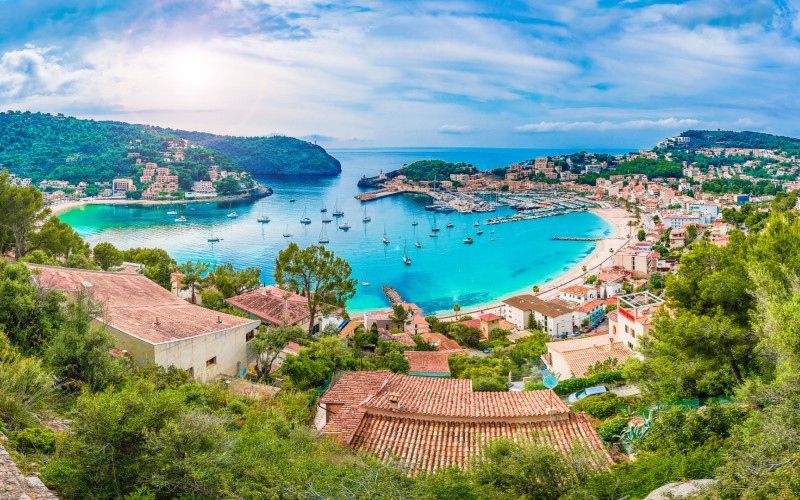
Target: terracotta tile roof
(489,317)
(561,304)
(589,305)
(454,398)
(428,362)
(472,323)
(528,302)
(582,354)
(576,290)
(272,304)
(137,306)
(404,339)
(355,387)
(441,342)
(422,445)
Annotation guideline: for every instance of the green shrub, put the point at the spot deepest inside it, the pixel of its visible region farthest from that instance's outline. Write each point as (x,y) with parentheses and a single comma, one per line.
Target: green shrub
(571,385)
(612,427)
(487,384)
(601,406)
(35,439)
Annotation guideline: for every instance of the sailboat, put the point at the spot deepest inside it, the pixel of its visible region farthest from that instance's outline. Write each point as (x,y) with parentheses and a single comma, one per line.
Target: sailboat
(385,239)
(336,211)
(323,236)
(172,212)
(287,234)
(344,226)
(415,223)
(417,244)
(366,217)
(212,238)
(233,215)
(449,225)
(434,228)
(365,282)
(406,259)
(305,220)
(324,208)
(476,224)
(263,219)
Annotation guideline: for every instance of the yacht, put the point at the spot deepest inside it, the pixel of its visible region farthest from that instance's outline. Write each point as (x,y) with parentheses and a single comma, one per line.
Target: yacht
(323,237)
(479,232)
(418,244)
(323,209)
(366,217)
(406,259)
(344,226)
(233,215)
(263,219)
(476,224)
(172,212)
(449,225)
(305,220)
(435,229)
(433,235)
(181,219)
(365,282)
(415,223)
(336,211)
(292,200)
(326,220)
(287,234)
(468,241)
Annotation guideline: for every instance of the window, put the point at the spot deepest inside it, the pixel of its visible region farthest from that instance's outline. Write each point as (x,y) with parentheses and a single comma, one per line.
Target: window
(630,346)
(250,336)
(211,362)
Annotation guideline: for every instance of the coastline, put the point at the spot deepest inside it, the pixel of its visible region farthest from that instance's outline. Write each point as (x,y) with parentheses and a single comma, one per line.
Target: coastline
(60,208)
(618,218)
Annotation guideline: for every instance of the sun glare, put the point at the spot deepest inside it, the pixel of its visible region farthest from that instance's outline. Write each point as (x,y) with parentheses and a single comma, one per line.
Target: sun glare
(190,71)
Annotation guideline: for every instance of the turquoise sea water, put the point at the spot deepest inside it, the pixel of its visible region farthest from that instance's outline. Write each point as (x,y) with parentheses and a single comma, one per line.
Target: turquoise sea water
(443,272)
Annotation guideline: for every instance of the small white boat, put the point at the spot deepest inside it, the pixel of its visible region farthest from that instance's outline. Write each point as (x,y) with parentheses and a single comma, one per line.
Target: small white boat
(365,283)
(468,241)
(433,235)
(415,223)
(449,224)
(366,217)
(172,212)
(305,220)
(476,224)
(406,261)
(344,226)
(479,232)
(385,240)
(233,215)
(418,244)
(181,219)
(263,219)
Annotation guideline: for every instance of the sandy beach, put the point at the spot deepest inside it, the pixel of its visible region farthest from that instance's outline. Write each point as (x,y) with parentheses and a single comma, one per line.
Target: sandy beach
(617,217)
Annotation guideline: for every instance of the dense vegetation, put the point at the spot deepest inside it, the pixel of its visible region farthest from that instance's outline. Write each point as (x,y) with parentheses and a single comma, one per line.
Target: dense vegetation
(722,186)
(745,140)
(650,167)
(268,155)
(43,146)
(428,170)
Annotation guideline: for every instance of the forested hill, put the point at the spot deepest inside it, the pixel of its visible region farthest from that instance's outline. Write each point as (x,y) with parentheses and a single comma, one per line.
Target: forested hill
(746,140)
(44,146)
(268,155)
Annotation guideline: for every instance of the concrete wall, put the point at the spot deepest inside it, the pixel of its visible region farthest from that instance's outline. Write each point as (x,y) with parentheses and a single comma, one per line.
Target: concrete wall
(228,346)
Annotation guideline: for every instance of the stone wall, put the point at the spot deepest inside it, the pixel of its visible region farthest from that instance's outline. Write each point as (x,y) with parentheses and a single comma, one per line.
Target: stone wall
(15,486)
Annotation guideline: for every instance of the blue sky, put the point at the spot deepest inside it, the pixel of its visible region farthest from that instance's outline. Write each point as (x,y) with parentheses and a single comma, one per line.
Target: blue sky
(571,73)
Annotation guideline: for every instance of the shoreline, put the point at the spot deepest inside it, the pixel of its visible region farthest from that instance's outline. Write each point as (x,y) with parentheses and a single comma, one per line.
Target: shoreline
(617,218)
(60,208)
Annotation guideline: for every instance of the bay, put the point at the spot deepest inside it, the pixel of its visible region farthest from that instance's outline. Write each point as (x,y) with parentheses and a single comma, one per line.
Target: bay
(444,271)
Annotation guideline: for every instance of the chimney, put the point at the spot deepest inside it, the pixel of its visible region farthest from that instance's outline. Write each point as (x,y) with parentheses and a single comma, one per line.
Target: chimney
(219,320)
(157,323)
(610,343)
(394,400)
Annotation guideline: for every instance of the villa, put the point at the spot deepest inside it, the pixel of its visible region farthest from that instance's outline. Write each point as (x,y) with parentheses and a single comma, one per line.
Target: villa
(152,326)
(573,358)
(275,306)
(551,317)
(633,317)
(427,423)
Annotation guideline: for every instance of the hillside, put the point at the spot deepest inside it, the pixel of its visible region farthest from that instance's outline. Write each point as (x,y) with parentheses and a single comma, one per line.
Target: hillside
(43,146)
(277,155)
(745,139)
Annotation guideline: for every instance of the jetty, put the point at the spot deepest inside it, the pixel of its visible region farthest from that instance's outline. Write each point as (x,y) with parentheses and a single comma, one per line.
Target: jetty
(392,294)
(570,238)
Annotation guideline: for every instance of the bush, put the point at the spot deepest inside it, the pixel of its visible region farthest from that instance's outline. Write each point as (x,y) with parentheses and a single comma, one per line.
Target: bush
(486,384)
(612,427)
(600,407)
(571,385)
(35,439)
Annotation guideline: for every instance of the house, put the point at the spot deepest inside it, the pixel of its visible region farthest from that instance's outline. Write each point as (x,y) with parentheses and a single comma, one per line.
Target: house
(442,343)
(427,423)
(381,318)
(633,317)
(577,293)
(677,238)
(488,322)
(593,310)
(551,317)
(275,306)
(152,326)
(573,358)
(428,363)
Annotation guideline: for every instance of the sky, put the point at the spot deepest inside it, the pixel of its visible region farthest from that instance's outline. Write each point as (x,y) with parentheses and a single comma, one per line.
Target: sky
(372,73)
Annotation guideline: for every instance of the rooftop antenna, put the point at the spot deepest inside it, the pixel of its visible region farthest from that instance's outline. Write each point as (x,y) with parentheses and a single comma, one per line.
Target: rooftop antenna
(550,382)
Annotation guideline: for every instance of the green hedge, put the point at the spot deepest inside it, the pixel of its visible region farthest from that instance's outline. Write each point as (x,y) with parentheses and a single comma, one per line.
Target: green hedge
(601,406)
(612,428)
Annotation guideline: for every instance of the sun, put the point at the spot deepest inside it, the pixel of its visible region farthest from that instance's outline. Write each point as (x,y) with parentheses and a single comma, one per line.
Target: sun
(189,71)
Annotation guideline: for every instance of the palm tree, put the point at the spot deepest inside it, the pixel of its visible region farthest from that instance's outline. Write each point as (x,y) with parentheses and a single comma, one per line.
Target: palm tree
(456,309)
(535,289)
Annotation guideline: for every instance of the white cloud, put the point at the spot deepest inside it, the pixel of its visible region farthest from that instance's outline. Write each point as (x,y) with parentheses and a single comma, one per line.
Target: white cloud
(665,123)
(31,72)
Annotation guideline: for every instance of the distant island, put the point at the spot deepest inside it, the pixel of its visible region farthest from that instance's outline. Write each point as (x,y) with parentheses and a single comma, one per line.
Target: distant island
(41,146)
